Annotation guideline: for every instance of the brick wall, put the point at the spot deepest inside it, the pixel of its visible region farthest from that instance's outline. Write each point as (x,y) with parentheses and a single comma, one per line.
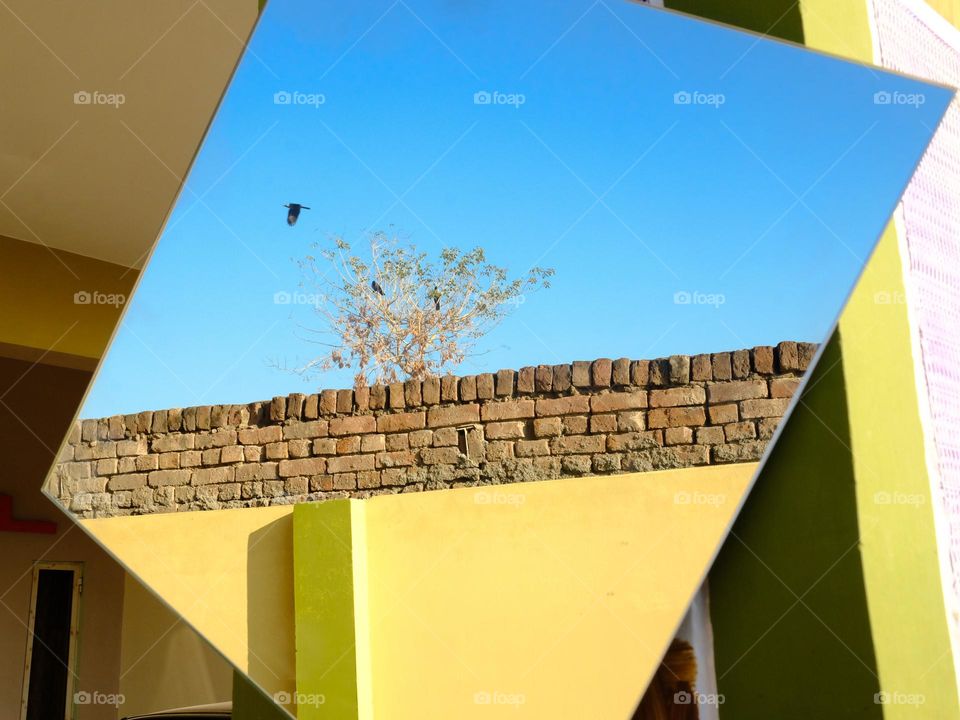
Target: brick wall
(583,418)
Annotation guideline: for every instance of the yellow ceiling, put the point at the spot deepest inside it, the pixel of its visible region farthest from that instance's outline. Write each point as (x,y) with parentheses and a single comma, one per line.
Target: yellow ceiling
(98,178)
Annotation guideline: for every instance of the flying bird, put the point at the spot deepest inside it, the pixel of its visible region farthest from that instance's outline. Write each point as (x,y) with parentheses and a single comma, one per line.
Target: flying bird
(376,288)
(294,212)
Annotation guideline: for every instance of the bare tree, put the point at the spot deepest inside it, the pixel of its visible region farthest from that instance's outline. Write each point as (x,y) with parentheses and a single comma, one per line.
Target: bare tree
(397,315)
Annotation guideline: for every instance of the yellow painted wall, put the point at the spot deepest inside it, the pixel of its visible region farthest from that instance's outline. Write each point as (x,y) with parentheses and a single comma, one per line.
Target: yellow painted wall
(228,573)
(553,599)
(164,663)
(40,284)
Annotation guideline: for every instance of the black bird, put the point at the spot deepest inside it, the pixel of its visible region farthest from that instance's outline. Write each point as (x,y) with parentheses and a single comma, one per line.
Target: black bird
(294,212)
(435,295)
(376,288)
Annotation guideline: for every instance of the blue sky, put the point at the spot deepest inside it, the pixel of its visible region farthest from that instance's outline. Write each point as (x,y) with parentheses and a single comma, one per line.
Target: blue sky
(758,200)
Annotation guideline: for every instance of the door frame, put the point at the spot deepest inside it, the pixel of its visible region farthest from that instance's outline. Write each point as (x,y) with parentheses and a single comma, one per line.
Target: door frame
(77,569)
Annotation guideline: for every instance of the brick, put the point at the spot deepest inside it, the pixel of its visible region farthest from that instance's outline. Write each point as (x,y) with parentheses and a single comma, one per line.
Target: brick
(543,380)
(430,391)
(640,373)
(622,442)
(399,458)
(412,393)
(276,451)
(574,424)
(349,445)
(345,481)
(659,372)
(295,448)
(231,454)
(130,481)
(344,402)
(766,427)
(170,443)
(311,407)
(674,397)
(562,379)
(401,422)
(219,438)
(373,443)
(485,386)
(576,464)
(805,353)
(163,478)
(468,388)
(420,438)
(763,408)
(295,402)
(220,414)
(739,431)
(127,448)
(278,409)
(740,364)
(762,359)
(507,410)
(701,368)
(368,479)
(779,388)
(394,477)
(631,422)
(580,373)
(448,389)
(350,463)
(788,359)
(722,414)
(328,402)
(578,444)
(269,434)
(303,466)
(676,416)
(440,456)
(601,372)
(738,452)
(169,461)
(301,430)
(679,369)
(397,442)
(499,450)
(526,380)
(611,402)
(569,405)
(505,430)
(188,459)
(546,427)
(211,456)
(620,371)
(159,424)
(736,390)
(251,453)
(442,437)
(710,436)
(606,463)
(722,367)
(532,448)
(324,446)
(603,423)
(378,397)
(247,436)
(107,466)
(687,455)
(453,415)
(354,425)
(203,417)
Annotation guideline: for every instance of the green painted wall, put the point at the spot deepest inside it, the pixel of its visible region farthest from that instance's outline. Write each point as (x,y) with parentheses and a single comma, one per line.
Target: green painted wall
(250,702)
(326,653)
(776,18)
(797,537)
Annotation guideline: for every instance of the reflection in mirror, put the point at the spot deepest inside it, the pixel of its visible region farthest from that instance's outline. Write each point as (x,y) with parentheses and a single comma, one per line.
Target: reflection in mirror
(435,247)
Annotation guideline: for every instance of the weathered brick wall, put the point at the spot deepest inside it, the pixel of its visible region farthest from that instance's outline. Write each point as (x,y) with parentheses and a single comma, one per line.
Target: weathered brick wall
(584,418)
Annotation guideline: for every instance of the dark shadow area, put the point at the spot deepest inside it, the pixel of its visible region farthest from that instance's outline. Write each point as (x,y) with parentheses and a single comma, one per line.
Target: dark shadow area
(776,18)
(788,605)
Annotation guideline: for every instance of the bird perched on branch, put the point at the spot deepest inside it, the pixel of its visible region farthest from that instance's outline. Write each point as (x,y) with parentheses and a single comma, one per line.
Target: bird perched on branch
(435,296)
(293,212)
(376,288)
